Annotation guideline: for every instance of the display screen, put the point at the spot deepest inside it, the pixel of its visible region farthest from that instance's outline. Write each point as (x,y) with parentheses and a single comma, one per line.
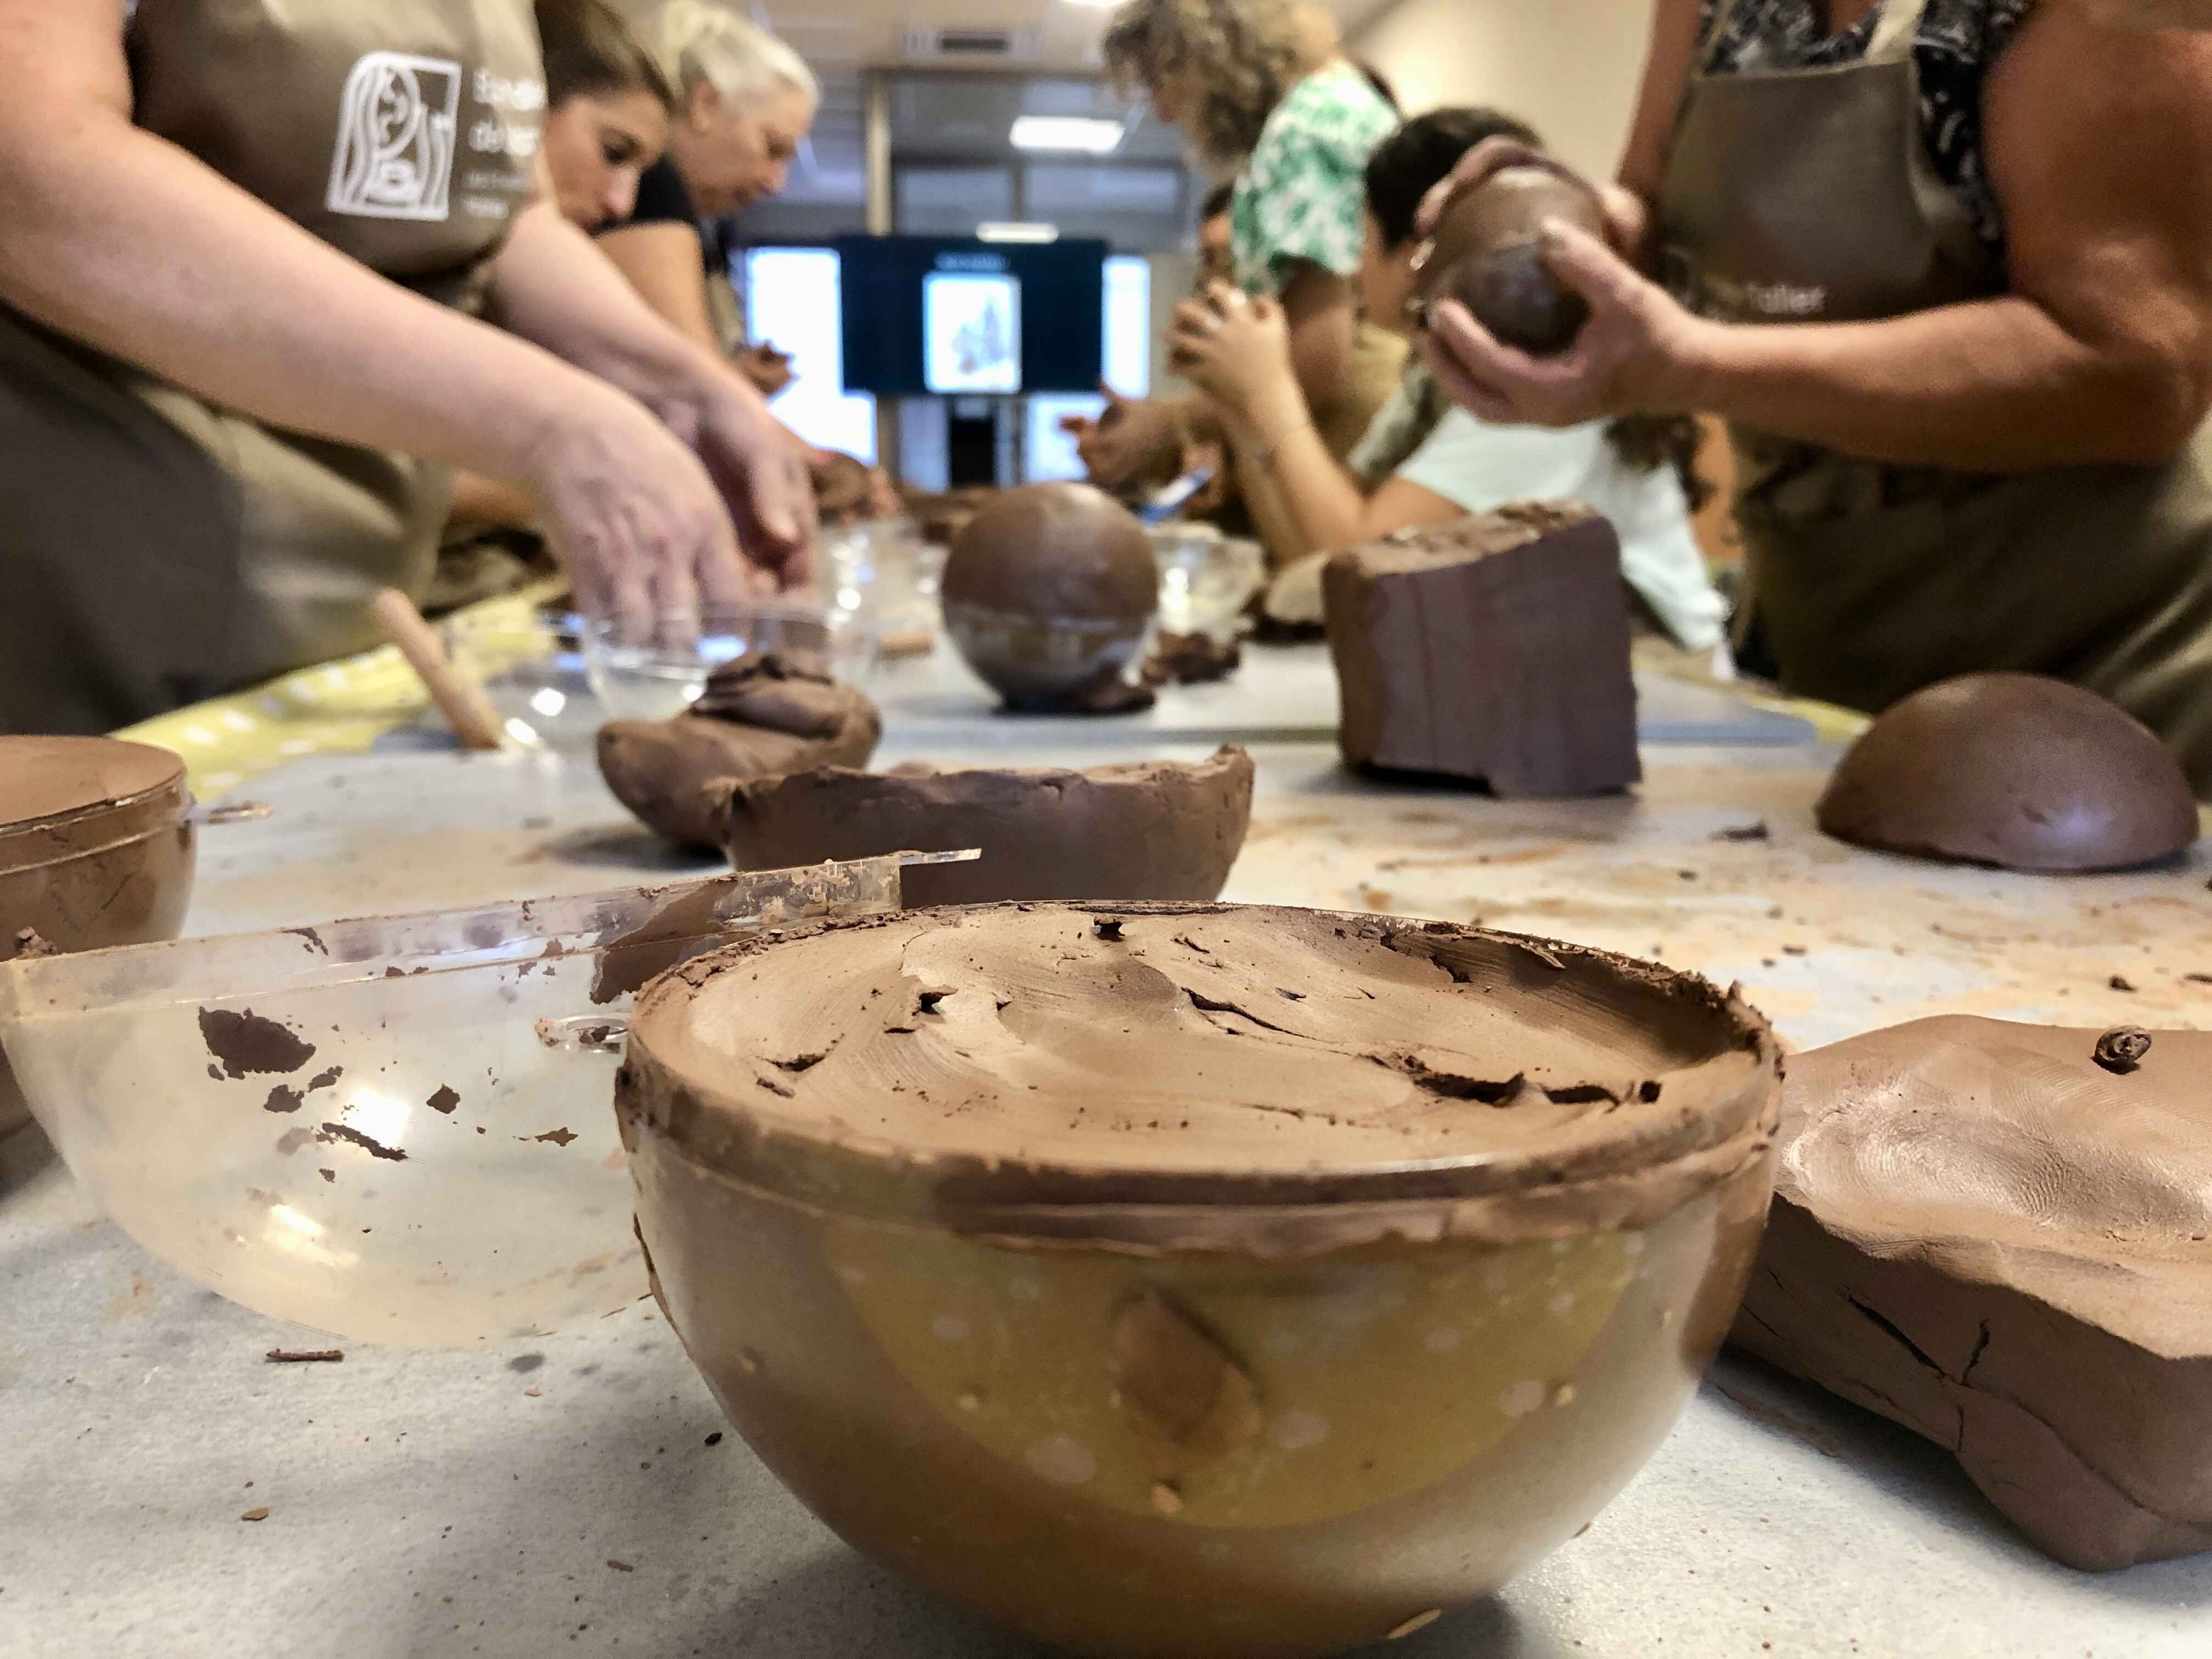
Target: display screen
(924,316)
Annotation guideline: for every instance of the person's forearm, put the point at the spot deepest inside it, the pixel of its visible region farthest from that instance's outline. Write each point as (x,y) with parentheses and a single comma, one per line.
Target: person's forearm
(551,285)
(481,503)
(1321,505)
(1993,385)
(121,240)
(665,264)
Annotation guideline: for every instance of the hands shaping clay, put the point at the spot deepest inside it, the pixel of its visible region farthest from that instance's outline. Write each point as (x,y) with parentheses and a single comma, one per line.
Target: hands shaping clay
(2001,1235)
(843,490)
(1047,594)
(2016,770)
(758,717)
(1494,649)
(1155,830)
(1485,254)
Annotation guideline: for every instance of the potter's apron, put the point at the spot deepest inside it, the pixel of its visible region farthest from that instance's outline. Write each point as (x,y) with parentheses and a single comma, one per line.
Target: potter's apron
(157,549)
(1806,195)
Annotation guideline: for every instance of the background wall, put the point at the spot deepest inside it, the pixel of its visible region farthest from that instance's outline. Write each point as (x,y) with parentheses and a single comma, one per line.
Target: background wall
(1568,68)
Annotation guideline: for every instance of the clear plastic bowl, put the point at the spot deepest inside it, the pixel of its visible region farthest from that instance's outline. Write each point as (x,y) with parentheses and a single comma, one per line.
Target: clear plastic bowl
(1207,578)
(658,679)
(397,1129)
(885,574)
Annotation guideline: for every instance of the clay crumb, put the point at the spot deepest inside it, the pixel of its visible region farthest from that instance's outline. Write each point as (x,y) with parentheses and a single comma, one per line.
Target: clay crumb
(715,1438)
(305,1356)
(560,1137)
(1108,929)
(331,1176)
(1289,995)
(2121,1050)
(324,1079)
(243,1042)
(2119,983)
(255,1514)
(281,1099)
(2197,979)
(1758,831)
(31,947)
(1418,1622)
(1166,1501)
(531,1394)
(926,1001)
(775,1088)
(1649,1093)
(445,1100)
(620,1566)
(798,1063)
(374,1148)
(1540,953)
(1793,949)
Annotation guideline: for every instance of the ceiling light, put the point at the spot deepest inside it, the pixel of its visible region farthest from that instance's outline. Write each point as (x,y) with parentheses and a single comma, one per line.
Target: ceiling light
(1017,233)
(1067,132)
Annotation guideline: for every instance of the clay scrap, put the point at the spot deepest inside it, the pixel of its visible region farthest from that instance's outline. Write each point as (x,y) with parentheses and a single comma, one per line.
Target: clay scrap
(1494,649)
(760,717)
(1990,1234)
(2016,770)
(1160,830)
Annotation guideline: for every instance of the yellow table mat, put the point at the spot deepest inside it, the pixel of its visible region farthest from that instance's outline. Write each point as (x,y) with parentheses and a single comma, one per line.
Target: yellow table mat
(339,707)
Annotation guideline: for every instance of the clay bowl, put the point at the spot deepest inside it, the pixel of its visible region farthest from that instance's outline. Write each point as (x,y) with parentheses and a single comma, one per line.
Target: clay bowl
(1197,1282)
(96,848)
(1155,829)
(2015,770)
(1049,591)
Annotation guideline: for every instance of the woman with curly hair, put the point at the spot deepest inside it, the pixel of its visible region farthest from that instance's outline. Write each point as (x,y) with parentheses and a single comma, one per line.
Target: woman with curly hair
(1262,88)
(1423,461)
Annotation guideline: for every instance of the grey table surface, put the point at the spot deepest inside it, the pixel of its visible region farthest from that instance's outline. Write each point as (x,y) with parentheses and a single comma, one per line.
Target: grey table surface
(569,1493)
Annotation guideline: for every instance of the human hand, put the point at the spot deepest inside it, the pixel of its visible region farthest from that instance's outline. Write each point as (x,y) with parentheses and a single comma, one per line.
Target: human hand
(767,368)
(1125,441)
(764,471)
(635,520)
(1235,348)
(1640,353)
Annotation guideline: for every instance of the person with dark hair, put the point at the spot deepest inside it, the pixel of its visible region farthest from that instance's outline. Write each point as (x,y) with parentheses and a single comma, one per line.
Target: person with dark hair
(1423,461)
(607,105)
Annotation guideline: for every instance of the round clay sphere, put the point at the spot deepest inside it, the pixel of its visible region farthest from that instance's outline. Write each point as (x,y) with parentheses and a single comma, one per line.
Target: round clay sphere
(1049,591)
(1485,255)
(2016,770)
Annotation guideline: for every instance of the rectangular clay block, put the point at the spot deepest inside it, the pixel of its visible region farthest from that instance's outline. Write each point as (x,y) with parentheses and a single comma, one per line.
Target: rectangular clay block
(1493,649)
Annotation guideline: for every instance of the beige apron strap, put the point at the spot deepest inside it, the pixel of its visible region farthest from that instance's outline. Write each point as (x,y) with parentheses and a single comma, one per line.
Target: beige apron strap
(1900,28)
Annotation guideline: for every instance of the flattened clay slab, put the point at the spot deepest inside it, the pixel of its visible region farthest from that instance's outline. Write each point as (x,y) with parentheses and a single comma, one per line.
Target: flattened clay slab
(1493,649)
(2017,770)
(1160,829)
(761,718)
(1983,1233)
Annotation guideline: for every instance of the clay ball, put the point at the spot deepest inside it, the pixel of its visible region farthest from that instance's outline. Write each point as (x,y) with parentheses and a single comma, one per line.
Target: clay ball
(2015,770)
(1049,591)
(1485,255)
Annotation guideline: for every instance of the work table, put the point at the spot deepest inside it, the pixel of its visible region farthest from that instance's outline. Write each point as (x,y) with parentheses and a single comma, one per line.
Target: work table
(579,1491)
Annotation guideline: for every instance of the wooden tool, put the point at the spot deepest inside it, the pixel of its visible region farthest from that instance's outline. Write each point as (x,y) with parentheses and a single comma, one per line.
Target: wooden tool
(458,697)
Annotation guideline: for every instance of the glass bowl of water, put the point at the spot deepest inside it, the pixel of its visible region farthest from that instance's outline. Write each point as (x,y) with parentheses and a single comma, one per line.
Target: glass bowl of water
(660,679)
(1207,578)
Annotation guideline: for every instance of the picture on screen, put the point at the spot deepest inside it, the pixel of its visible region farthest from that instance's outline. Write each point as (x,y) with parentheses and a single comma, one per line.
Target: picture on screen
(972,324)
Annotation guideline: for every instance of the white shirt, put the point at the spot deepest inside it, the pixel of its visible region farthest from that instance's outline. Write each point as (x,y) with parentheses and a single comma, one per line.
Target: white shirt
(1481,468)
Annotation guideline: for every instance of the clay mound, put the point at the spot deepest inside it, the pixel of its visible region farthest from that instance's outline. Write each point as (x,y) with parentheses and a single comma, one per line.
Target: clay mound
(2015,770)
(762,719)
(1985,1233)
(1048,593)
(1486,256)
(1160,829)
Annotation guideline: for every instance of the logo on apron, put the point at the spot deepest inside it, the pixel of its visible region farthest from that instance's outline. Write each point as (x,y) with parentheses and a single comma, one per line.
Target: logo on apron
(396,131)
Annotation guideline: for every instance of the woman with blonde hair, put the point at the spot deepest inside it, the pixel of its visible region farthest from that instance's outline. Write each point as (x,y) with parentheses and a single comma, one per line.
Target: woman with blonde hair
(1263,89)
(744,103)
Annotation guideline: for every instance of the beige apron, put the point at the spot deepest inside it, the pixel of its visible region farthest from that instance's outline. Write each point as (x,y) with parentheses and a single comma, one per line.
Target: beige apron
(159,549)
(1805,196)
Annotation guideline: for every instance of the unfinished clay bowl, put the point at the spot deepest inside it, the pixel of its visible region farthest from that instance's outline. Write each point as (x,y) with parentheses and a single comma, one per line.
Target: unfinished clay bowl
(1293,1276)
(95,849)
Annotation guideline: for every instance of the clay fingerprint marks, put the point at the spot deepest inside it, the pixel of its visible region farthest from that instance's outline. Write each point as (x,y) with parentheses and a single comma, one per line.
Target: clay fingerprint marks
(398,121)
(1184,1400)
(243,1042)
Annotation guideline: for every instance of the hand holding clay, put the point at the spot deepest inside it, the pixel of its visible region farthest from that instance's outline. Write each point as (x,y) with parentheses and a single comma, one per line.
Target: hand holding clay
(1623,211)
(1127,441)
(767,368)
(760,465)
(1233,348)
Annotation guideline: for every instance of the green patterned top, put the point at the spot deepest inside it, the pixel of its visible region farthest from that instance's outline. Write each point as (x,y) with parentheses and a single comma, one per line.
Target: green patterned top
(1300,196)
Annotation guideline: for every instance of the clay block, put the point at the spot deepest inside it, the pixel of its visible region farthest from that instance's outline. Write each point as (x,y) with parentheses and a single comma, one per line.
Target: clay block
(1493,649)
(1996,1236)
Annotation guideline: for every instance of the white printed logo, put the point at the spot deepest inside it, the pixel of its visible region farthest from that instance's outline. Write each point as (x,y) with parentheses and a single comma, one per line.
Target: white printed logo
(396,132)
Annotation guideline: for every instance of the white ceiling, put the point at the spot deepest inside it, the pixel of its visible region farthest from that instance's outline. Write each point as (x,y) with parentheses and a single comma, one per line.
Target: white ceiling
(843,39)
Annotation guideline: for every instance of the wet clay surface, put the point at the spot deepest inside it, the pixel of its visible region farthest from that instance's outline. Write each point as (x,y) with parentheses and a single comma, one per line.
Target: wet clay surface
(1297,1049)
(2015,770)
(1140,831)
(1442,671)
(1485,255)
(1990,1235)
(760,718)
(1048,593)
(46,777)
